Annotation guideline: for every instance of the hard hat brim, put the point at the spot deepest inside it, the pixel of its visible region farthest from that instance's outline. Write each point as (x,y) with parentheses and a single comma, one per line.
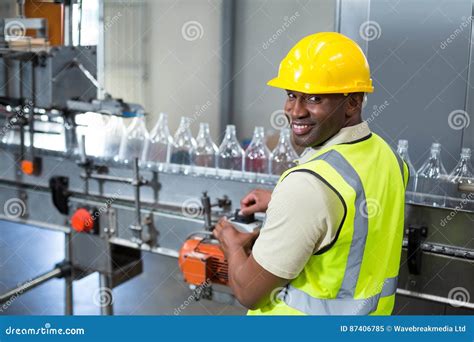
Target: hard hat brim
(312,89)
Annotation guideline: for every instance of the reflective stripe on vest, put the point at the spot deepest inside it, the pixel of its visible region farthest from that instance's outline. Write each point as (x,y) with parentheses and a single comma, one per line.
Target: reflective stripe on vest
(303,302)
(361,223)
(344,303)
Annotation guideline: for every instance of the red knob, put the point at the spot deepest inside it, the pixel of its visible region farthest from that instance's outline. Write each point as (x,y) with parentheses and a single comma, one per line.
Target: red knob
(82,220)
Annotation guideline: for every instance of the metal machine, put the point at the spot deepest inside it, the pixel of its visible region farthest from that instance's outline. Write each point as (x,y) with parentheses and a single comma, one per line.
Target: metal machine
(111,212)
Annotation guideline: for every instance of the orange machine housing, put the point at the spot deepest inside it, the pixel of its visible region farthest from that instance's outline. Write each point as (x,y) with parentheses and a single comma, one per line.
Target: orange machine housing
(202,261)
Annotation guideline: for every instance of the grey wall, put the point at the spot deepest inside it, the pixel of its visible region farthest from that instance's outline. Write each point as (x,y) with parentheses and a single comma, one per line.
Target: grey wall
(419,77)
(265,32)
(152,59)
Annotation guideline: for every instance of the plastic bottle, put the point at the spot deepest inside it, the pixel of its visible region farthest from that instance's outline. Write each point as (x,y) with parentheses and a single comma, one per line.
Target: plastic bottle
(284,155)
(133,142)
(183,144)
(432,179)
(257,154)
(157,147)
(92,126)
(230,154)
(205,152)
(402,151)
(462,174)
(114,131)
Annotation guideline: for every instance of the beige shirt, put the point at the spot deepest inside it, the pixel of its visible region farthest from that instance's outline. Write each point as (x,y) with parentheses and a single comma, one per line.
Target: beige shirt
(303,215)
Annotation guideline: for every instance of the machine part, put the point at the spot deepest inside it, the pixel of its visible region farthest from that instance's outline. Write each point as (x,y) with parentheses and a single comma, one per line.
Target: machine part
(152,233)
(59,186)
(32,167)
(415,236)
(35,75)
(105,291)
(61,270)
(245,223)
(68,279)
(92,253)
(437,299)
(202,261)
(85,220)
(206,209)
(224,203)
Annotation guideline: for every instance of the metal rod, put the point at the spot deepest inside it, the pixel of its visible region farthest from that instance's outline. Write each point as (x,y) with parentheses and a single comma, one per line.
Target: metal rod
(109,178)
(107,308)
(137,182)
(436,299)
(68,283)
(29,285)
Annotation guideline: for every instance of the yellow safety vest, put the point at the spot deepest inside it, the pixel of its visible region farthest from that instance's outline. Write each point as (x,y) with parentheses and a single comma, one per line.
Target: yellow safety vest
(356,274)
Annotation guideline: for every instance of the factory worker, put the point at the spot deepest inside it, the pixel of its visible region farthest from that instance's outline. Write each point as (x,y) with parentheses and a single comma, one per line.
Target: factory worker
(332,238)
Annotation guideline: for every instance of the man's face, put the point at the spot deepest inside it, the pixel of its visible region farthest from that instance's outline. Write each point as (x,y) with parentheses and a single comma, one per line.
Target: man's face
(315,118)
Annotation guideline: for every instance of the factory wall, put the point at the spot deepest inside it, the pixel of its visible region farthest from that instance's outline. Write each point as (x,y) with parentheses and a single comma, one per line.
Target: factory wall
(166,55)
(265,32)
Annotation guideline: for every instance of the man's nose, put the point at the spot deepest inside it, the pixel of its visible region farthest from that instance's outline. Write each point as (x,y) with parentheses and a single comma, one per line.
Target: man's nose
(298,110)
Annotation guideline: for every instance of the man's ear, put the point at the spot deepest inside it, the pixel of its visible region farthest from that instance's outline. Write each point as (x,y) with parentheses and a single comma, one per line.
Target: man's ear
(354,104)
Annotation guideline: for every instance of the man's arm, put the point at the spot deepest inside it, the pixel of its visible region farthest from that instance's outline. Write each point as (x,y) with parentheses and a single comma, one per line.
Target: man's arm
(250,282)
(303,216)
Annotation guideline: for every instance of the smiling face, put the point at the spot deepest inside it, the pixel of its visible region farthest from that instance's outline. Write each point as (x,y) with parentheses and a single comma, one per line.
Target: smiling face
(316,118)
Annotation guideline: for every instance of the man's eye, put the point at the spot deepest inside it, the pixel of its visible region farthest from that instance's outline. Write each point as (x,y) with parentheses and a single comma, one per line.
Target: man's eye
(291,96)
(314,99)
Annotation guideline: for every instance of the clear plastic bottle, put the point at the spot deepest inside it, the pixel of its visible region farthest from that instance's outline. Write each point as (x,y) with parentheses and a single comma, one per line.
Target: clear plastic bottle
(183,144)
(402,151)
(157,147)
(284,155)
(134,139)
(257,154)
(230,155)
(205,152)
(432,179)
(462,174)
(114,131)
(92,126)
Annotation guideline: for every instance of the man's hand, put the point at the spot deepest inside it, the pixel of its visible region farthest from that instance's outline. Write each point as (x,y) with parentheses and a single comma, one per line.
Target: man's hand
(251,284)
(256,201)
(231,239)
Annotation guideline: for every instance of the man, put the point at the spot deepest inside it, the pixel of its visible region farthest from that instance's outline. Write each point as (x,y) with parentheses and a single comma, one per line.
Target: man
(332,239)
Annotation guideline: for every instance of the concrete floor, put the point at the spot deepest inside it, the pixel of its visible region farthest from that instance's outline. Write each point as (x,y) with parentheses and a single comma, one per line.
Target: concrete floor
(26,252)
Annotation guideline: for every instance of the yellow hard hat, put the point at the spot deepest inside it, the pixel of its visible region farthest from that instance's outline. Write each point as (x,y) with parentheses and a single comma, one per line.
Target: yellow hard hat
(324,63)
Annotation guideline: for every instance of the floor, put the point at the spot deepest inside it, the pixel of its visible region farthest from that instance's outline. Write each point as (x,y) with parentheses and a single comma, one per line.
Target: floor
(26,252)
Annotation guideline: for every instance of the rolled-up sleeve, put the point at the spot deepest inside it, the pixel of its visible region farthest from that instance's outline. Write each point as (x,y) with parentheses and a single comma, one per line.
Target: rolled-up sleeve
(302,217)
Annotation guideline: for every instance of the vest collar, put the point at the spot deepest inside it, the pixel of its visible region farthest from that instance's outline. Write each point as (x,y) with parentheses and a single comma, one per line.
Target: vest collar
(344,136)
